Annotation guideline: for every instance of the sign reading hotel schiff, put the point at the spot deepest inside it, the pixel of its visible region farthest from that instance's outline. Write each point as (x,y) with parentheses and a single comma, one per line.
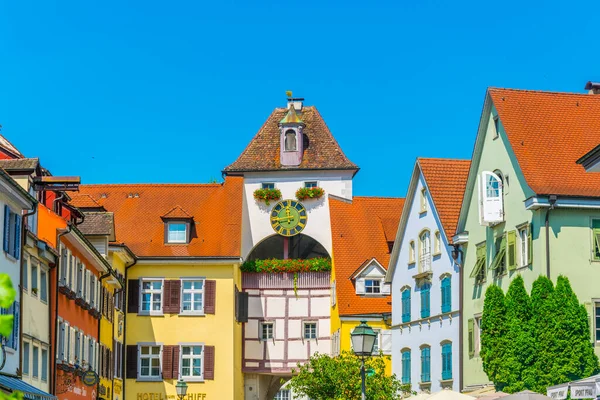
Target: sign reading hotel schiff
(164,396)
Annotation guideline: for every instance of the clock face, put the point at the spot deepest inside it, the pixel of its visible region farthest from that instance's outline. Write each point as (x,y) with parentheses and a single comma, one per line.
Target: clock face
(288,217)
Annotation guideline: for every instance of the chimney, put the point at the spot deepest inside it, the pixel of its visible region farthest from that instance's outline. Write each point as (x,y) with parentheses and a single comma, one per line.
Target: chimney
(296,102)
(593,87)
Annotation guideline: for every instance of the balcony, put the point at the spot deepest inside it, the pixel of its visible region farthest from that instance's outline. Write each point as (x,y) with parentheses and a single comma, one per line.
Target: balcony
(424,267)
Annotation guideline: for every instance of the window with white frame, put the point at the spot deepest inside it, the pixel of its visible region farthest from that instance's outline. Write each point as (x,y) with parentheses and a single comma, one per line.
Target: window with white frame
(25,280)
(151,296)
(44,364)
(310,330)
(193,296)
(43,285)
(597,321)
(12,233)
(477,334)
(191,361)
(437,243)
(411,252)
(496,126)
(34,278)
(149,358)
(377,341)
(283,394)
(491,203)
(290,140)
(266,330)
(35,364)
(372,286)
(177,232)
(423,200)
(310,185)
(523,245)
(26,347)
(425,251)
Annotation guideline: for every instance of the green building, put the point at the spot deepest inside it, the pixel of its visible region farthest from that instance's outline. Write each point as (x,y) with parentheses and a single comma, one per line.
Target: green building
(532,204)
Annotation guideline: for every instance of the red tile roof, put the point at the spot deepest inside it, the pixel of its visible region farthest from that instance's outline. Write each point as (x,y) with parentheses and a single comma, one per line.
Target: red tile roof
(322,151)
(360,232)
(81,200)
(177,212)
(138,208)
(446,180)
(548,133)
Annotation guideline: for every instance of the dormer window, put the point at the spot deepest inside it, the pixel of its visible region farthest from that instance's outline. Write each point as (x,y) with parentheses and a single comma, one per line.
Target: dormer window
(369,279)
(177,232)
(291,144)
(373,286)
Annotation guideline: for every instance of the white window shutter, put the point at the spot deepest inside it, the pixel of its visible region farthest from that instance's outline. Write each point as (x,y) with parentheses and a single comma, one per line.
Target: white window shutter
(61,345)
(385,288)
(72,346)
(97,302)
(66,341)
(86,350)
(74,274)
(333,294)
(84,278)
(96,356)
(360,285)
(480,200)
(492,208)
(386,341)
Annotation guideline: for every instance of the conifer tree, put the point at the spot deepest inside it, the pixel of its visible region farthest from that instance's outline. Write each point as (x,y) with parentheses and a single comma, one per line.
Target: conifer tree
(493,336)
(542,323)
(520,346)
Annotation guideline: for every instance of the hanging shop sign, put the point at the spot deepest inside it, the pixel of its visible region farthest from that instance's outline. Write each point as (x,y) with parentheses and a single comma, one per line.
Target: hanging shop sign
(89,378)
(558,392)
(583,390)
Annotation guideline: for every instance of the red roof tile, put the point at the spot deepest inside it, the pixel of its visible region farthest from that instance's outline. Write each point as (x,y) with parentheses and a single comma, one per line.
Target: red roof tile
(359,234)
(446,180)
(138,208)
(321,149)
(549,132)
(177,212)
(81,200)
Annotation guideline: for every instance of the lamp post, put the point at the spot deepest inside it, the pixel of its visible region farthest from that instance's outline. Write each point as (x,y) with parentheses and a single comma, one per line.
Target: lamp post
(363,340)
(181,388)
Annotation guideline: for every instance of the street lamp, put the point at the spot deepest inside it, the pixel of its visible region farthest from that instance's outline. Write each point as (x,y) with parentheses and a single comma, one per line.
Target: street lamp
(181,388)
(363,340)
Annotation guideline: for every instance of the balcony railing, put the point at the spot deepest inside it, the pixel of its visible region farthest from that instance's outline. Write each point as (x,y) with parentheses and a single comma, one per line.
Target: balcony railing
(425,263)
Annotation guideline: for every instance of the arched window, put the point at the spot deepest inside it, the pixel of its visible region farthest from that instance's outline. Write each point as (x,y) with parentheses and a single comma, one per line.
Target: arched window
(411,252)
(446,361)
(446,295)
(425,364)
(491,208)
(405,366)
(406,305)
(437,243)
(290,141)
(425,251)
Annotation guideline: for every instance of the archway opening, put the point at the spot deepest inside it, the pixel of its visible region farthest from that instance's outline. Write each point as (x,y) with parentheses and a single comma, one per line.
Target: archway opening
(298,247)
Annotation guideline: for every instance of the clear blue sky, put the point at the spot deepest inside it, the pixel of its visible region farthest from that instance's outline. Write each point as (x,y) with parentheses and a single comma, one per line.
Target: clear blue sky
(172,91)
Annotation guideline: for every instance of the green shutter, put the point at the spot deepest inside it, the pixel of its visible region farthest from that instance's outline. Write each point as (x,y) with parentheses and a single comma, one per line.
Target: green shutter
(499,257)
(511,254)
(530,244)
(595,239)
(471,338)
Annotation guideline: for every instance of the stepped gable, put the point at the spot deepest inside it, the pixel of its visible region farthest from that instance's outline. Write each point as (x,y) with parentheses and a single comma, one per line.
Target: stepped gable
(321,150)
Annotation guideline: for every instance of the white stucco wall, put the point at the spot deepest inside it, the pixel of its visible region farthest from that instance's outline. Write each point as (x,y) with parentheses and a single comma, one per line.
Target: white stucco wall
(256,225)
(438,327)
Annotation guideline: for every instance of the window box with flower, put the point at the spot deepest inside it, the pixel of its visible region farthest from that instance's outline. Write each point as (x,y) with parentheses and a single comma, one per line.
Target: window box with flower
(306,193)
(267,195)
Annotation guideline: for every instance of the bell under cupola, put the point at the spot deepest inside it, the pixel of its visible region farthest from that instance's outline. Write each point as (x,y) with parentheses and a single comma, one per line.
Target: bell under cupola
(291,134)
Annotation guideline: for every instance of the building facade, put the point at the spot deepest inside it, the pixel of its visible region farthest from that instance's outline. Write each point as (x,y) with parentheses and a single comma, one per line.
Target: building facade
(529,208)
(425,276)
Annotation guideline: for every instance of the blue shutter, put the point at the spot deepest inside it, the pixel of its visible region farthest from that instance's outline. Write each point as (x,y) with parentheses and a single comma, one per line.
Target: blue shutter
(15,334)
(425,365)
(406,367)
(17,236)
(6,228)
(447,361)
(425,301)
(406,305)
(446,295)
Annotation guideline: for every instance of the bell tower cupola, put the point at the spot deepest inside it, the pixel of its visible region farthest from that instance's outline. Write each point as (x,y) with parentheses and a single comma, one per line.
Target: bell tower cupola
(291,133)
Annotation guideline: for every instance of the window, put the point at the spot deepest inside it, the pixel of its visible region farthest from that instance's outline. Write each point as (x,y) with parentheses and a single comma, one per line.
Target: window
(290,140)
(595,239)
(191,361)
(283,394)
(479,269)
(36,362)
(372,286)
(437,245)
(446,294)
(150,362)
(44,364)
(406,305)
(376,345)
(411,252)
(423,200)
(266,330)
(474,336)
(152,296)
(490,198)
(25,281)
(80,273)
(193,296)
(44,285)
(268,186)
(426,364)
(597,319)
(425,300)
(77,347)
(525,243)
(499,261)
(405,366)
(12,233)
(425,252)
(34,278)
(310,185)
(12,341)
(496,126)
(310,330)
(333,294)
(177,232)
(25,358)
(447,361)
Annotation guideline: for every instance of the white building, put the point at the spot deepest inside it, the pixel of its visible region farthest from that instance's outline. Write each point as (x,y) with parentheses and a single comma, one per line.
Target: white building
(425,276)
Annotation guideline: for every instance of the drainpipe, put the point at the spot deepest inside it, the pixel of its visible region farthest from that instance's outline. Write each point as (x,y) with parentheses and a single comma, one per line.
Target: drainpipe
(54,350)
(56,200)
(124,349)
(552,199)
(100,279)
(23,239)
(459,256)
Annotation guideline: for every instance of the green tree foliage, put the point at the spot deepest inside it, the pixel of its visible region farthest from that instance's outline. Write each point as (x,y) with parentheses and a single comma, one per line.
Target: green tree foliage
(338,378)
(7,296)
(493,336)
(538,341)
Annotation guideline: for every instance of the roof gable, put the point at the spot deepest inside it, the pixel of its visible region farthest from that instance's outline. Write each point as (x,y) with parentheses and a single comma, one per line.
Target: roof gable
(321,150)
(177,212)
(370,267)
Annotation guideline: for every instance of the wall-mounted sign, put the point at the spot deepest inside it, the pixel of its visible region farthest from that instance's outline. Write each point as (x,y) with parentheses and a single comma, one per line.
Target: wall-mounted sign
(580,390)
(558,392)
(2,356)
(288,217)
(163,396)
(89,378)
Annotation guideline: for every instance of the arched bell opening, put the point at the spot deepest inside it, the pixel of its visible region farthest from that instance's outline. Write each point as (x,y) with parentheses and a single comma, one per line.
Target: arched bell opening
(295,247)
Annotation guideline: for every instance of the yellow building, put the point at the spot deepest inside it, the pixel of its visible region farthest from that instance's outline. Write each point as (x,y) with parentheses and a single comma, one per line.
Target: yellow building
(182,288)
(363,232)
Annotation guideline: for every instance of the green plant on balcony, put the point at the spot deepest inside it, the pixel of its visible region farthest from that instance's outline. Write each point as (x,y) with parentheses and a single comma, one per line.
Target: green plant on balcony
(273,265)
(305,193)
(267,195)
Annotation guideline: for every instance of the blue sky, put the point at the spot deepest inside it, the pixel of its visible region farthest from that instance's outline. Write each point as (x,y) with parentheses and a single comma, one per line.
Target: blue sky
(155,91)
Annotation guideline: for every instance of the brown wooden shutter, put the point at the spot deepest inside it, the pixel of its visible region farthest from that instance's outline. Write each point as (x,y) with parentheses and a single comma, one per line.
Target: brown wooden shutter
(166,297)
(209,362)
(174,298)
(210,294)
(133,297)
(167,364)
(105,302)
(132,361)
(242,307)
(175,362)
